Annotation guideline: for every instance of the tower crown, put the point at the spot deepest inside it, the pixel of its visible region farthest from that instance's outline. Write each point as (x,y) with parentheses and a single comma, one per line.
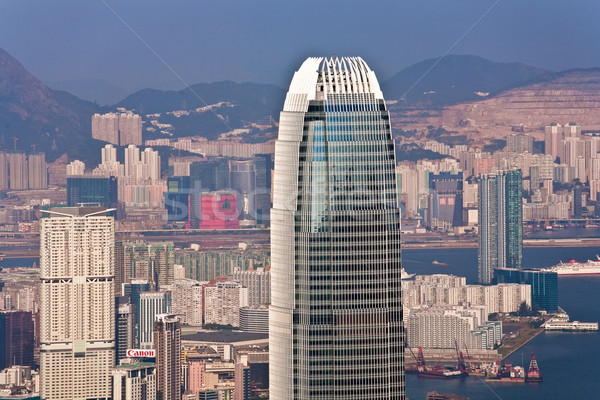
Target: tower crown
(319,77)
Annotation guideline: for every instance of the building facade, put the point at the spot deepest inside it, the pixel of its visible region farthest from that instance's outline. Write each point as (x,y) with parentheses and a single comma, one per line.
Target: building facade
(335,240)
(500,223)
(167,342)
(77,316)
(134,381)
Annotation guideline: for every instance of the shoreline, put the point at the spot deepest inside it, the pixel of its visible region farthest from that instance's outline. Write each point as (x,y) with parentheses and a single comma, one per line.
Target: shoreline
(541,330)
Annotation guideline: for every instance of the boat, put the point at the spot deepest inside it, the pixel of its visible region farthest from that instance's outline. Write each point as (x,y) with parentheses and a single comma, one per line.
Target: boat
(574,267)
(507,373)
(439,263)
(438,371)
(533,373)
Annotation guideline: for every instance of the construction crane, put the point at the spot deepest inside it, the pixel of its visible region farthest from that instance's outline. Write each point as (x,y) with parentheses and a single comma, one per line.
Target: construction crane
(15,142)
(461,361)
(33,146)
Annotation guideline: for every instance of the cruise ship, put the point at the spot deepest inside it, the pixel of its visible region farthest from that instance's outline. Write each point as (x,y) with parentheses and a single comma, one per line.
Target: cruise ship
(574,267)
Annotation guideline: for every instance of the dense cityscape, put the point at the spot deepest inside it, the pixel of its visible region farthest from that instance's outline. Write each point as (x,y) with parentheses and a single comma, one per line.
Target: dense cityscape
(322,241)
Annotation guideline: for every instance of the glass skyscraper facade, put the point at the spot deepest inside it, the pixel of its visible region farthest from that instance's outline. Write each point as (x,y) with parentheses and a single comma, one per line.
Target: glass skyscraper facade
(500,223)
(336,311)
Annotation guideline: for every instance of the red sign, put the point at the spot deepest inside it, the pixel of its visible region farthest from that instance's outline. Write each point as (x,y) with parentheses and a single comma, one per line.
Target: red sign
(151,353)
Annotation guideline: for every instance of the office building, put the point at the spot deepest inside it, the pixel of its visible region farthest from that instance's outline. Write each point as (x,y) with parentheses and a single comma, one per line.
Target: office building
(335,240)
(77,316)
(16,345)
(500,223)
(255,319)
(544,285)
(219,211)
(134,381)
(91,189)
(446,200)
(242,382)
(125,324)
(167,342)
(151,304)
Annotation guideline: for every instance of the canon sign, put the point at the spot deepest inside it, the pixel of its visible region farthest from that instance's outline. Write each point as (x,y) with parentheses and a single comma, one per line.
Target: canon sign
(141,353)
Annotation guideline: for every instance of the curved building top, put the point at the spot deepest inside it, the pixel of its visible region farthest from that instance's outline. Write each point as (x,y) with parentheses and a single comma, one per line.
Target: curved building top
(319,77)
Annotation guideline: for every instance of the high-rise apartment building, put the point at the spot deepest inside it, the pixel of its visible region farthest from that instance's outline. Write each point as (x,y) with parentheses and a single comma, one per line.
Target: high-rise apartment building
(3,171)
(167,342)
(336,309)
(500,223)
(258,282)
(222,303)
(37,171)
(18,171)
(77,320)
(120,129)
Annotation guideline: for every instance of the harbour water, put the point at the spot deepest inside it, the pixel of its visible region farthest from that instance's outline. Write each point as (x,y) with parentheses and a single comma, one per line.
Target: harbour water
(568,361)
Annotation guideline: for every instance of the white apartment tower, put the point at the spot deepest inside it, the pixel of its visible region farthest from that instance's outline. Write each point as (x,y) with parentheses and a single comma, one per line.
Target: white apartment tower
(77,334)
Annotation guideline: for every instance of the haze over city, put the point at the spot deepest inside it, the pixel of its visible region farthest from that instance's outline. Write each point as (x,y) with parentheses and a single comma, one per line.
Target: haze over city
(311,200)
(262,41)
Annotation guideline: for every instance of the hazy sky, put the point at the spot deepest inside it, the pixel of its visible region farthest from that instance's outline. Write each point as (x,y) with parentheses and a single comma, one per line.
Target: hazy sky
(265,41)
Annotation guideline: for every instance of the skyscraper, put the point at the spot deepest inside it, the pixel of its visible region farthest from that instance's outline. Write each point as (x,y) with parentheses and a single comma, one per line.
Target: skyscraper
(167,342)
(16,347)
(151,304)
(500,223)
(336,311)
(77,320)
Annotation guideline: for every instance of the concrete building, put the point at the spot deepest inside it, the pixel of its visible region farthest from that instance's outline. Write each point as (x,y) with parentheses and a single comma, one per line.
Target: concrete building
(125,328)
(119,129)
(37,171)
(75,168)
(134,381)
(151,304)
(222,303)
(258,282)
(519,143)
(255,319)
(167,342)
(77,320)
(18,171)
(187,301)
(440,327)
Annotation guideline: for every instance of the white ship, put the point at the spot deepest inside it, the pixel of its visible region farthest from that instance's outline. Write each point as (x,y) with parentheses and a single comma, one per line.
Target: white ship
(574,267)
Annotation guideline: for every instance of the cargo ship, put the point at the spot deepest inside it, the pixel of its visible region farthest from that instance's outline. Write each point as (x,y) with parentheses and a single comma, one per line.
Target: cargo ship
(533,373)
(574,267)
(439,263)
